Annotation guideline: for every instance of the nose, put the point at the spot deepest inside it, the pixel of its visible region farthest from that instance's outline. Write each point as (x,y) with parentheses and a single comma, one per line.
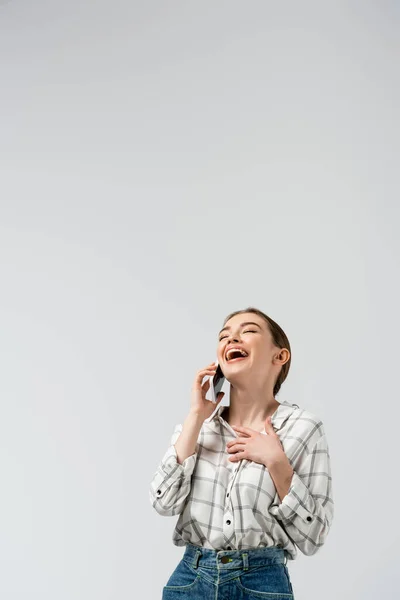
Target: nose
(233,338)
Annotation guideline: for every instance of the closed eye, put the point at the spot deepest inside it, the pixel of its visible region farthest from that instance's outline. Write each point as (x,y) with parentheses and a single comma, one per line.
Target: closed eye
(247,331)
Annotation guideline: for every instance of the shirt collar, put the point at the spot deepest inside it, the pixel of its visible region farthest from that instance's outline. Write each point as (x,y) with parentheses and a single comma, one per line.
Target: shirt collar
(279,417)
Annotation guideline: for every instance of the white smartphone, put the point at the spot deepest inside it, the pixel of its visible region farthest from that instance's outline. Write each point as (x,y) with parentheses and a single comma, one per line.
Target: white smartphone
(216,383)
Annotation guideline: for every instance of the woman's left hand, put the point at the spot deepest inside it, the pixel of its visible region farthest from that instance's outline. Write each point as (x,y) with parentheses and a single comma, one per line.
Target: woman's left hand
(253,445)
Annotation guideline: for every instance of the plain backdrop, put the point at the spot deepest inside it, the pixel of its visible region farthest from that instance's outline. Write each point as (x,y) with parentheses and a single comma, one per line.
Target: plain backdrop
(164,164)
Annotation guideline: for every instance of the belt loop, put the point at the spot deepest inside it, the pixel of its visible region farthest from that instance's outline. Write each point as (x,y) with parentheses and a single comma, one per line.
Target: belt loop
(196,559)
(285,557)
(245,561)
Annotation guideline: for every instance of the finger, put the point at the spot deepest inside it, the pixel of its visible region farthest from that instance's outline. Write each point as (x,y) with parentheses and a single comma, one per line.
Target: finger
(237,456)
(238,440)
(211,366)
(269,428)
(204,373)
(207,370)
(236,447)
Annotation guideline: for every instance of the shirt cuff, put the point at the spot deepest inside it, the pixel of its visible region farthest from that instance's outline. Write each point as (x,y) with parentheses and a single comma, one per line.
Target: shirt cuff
(169,463)
(297,502)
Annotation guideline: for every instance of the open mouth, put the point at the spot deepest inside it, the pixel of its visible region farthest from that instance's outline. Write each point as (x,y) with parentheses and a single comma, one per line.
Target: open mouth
(231,360)
(234,354)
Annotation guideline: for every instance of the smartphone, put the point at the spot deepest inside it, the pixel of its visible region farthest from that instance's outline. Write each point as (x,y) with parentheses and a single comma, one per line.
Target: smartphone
(216,384)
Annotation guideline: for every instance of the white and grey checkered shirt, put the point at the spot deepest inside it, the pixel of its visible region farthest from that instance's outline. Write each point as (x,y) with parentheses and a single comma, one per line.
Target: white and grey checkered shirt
(225,505)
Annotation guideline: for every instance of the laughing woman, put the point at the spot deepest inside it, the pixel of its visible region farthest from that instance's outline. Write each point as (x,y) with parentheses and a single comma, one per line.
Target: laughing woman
(251,481)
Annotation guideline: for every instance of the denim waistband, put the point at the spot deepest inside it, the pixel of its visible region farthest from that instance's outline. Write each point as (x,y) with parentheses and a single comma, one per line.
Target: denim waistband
(233,559)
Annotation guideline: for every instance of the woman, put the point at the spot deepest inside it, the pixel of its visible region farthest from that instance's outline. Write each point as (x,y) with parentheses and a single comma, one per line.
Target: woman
(251,481)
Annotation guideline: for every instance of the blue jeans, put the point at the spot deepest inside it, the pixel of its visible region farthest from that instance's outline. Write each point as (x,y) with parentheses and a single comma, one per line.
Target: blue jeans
(205,574)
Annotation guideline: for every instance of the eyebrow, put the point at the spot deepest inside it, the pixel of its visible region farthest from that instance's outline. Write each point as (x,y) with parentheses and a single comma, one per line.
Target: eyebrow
(242,325)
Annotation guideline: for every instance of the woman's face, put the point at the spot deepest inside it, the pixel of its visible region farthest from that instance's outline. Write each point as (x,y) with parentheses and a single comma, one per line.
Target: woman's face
(249,332)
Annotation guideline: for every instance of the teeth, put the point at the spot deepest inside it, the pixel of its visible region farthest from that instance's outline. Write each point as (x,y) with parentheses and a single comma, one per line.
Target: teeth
(243,353)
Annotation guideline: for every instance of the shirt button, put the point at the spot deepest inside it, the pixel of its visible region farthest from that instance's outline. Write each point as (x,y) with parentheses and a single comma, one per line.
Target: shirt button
(228,522)
(309,518)
(229,548)
(227,495)
(158,492)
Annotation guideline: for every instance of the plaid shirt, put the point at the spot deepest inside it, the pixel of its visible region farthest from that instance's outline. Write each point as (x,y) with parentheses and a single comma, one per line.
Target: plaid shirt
(225,505)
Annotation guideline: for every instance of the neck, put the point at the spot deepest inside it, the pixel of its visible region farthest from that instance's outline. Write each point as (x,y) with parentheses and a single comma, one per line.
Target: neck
(249,407)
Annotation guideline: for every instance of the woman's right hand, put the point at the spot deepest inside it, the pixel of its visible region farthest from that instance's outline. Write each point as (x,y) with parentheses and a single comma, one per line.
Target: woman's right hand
(199,405)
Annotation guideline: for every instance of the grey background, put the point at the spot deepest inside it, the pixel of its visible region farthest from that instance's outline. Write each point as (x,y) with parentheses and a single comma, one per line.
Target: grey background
(163,164)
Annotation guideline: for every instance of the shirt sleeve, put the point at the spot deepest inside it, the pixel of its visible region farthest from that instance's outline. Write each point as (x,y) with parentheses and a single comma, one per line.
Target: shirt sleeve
(171,483)
(306,512)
